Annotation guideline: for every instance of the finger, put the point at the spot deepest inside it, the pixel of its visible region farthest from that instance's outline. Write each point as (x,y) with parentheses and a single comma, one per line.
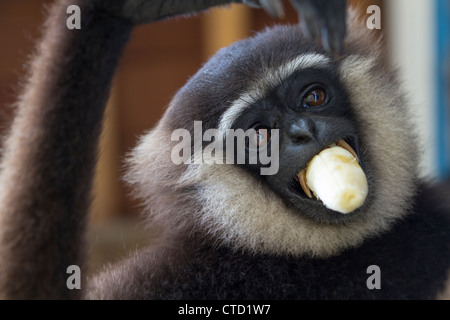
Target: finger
(273,7)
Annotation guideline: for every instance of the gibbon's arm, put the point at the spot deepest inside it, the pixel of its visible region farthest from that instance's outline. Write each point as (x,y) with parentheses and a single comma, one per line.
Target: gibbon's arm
(321,20)
(49,156)
(50,153)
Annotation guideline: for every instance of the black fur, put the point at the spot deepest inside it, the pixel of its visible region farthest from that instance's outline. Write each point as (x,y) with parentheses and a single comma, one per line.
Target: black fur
(414,259)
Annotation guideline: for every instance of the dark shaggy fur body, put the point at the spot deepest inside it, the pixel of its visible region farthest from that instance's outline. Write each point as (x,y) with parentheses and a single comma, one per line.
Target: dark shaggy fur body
(414,259)
(406,256)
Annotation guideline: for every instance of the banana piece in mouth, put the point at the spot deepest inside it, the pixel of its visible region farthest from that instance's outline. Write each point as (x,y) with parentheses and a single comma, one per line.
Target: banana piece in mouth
(335,177)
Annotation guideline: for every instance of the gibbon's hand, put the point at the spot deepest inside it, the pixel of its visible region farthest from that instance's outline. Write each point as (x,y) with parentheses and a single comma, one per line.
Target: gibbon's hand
(320,20)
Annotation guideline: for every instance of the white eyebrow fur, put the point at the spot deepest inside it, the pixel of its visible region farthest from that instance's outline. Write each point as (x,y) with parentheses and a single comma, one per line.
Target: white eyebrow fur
(272,78)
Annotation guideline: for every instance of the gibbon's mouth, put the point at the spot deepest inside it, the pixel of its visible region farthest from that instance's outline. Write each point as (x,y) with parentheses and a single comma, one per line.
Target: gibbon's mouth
(336,174)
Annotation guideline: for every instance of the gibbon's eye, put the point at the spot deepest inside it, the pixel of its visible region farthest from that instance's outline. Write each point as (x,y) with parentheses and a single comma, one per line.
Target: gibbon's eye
(262,136)
(314,97)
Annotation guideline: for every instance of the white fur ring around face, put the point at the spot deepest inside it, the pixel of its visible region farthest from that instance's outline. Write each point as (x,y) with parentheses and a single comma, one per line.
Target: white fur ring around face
(335,177)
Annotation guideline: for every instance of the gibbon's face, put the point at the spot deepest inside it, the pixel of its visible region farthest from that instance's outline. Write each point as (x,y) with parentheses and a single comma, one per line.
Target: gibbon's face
(311,109)
(278,80)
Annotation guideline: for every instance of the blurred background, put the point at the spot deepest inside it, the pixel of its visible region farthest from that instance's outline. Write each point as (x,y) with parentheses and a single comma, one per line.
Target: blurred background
(162,56)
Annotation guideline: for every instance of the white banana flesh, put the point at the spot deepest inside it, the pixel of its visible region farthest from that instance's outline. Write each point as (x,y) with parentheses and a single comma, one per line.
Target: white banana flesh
(335,177)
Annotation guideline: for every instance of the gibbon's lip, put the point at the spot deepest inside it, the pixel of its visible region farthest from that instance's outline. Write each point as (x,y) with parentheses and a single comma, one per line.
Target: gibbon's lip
(349,143)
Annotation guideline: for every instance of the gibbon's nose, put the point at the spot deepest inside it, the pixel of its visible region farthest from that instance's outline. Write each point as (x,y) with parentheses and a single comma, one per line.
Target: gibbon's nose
(301,131)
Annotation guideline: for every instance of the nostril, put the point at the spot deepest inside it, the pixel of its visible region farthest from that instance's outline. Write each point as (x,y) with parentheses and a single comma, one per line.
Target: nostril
(302,139)
(301,131)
